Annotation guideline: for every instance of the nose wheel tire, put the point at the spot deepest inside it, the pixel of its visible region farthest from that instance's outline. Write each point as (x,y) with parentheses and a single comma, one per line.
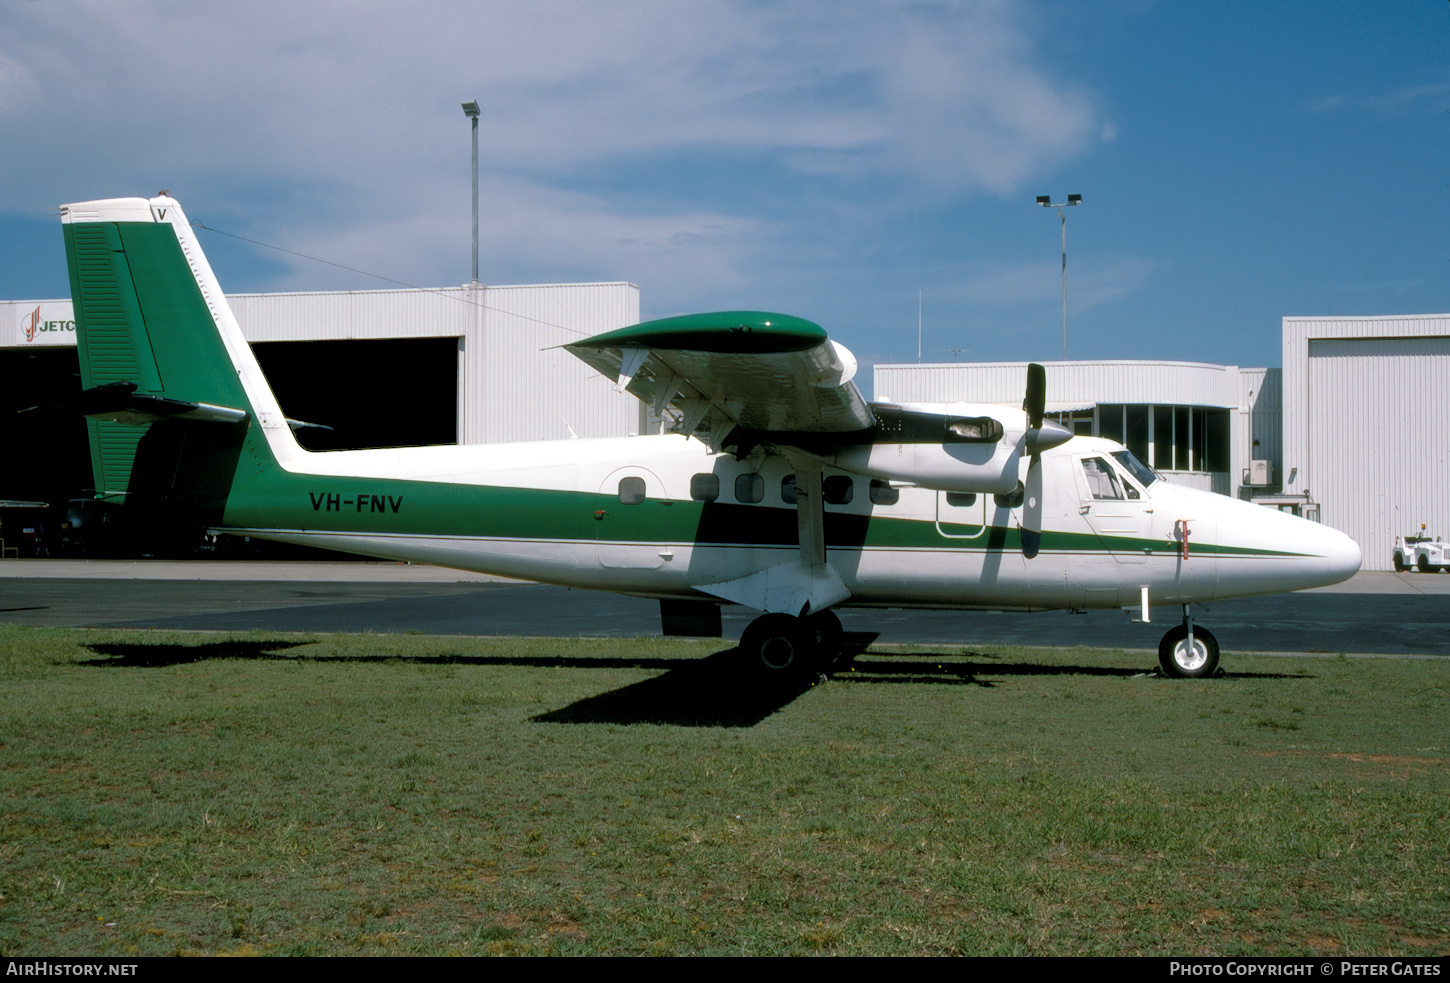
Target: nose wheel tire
(1179,661)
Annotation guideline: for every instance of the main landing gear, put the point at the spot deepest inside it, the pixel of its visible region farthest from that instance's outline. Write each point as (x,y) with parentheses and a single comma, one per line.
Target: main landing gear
(783,645)
(1187,651)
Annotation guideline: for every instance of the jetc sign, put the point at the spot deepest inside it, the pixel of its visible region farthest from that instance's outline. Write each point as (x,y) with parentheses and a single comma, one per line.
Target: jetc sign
(51,323)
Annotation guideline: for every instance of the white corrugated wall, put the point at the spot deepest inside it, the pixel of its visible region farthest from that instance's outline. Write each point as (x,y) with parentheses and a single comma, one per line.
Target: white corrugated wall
(1379,438)
(514,382)
(1365,432)
(352,315)
(527,388)
(1117,381)
(1260,418)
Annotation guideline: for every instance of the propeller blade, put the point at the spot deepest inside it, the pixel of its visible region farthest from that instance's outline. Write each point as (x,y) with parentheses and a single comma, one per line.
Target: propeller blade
(1036,401)
(1032,509)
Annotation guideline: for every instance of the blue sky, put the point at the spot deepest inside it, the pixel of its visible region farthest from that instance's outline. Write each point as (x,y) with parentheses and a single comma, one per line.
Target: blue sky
(1239,161)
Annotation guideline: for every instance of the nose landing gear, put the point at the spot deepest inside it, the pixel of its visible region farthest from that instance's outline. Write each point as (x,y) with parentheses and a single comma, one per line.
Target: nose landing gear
(1187,651)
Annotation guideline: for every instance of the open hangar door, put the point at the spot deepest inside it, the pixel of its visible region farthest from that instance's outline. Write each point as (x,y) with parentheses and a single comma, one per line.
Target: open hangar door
(43,457)
(1379,438)
(395,392)
(377,393)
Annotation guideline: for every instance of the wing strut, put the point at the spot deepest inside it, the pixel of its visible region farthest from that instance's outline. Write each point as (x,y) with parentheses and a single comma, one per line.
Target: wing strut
(806,586)
(810,514)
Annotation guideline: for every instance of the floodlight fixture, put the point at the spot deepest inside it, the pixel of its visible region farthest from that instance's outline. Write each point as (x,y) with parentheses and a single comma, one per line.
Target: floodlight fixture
(1046,202)
(470,109)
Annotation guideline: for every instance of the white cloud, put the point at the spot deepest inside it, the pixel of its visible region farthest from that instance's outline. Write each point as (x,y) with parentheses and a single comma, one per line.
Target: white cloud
(1433,96)
(324,125)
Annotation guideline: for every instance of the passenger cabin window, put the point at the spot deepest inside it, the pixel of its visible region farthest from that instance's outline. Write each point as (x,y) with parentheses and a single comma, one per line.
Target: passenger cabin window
(838,489)
(749,488)
(787,489)
(631,491)
(881,493)
(705,487)
(1100,478)
(962,499)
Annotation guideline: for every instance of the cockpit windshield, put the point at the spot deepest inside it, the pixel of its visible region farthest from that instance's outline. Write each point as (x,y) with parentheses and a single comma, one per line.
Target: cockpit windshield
(1144,474)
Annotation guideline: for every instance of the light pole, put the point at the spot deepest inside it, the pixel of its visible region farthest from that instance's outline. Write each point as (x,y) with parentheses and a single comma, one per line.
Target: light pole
(470,109)
(1046,202)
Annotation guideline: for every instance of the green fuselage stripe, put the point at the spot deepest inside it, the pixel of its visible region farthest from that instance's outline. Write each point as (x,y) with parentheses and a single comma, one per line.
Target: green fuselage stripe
(395,507)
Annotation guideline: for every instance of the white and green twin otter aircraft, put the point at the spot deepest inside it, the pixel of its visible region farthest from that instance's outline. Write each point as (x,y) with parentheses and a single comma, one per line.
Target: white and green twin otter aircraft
(779,488)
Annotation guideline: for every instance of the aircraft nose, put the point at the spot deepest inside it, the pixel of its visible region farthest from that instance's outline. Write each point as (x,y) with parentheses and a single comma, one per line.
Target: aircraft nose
(1342,555)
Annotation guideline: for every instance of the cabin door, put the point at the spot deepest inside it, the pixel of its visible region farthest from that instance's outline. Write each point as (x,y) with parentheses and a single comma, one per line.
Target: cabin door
(1118,512)
(628,521)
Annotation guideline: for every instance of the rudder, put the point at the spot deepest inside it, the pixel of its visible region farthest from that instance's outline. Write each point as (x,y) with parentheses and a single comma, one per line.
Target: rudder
(154,329)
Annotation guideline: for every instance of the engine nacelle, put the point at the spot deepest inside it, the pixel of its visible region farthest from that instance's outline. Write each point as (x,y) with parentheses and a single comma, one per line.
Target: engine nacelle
(986,469)
(959,447)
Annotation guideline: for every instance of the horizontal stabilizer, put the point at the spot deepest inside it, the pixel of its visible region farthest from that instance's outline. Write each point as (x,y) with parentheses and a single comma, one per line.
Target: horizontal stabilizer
(119,402)
(297,425)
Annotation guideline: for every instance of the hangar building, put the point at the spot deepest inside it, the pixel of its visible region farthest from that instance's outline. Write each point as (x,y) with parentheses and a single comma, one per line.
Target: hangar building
(471,364)
(1351,431)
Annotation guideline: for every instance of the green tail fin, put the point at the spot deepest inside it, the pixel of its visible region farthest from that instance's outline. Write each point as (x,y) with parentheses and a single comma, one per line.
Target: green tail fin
(150,313)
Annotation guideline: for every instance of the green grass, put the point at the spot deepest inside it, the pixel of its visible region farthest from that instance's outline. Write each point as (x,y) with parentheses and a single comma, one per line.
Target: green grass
(168,793)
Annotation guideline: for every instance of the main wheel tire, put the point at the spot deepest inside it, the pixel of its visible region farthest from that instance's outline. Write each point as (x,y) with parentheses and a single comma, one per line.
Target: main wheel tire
(828,635)
(779,644)
(1399,563)
(1181,663)
(1423,563)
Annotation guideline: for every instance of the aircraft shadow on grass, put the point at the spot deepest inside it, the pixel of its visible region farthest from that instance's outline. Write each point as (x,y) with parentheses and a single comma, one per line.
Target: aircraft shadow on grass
(708,692)
(129,655)
(713,692)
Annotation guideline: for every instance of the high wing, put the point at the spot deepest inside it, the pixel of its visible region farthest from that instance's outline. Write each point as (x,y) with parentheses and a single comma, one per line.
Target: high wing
(715,372)
(738,380)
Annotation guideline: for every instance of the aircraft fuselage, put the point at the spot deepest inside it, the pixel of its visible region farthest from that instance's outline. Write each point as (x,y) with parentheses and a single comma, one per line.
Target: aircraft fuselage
(660,516)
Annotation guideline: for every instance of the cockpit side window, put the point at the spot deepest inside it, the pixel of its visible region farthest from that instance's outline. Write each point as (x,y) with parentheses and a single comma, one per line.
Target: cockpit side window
(1100,478)
(1140,471)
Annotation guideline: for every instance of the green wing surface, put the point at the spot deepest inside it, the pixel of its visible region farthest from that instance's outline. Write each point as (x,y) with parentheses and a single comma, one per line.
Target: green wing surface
(710,373)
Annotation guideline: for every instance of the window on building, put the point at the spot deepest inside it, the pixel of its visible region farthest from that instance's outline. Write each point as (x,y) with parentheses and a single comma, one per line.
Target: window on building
(1182,461)
(1169,438)
(1110,421)
(1162,438)
(1218,439)
(1136,429)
